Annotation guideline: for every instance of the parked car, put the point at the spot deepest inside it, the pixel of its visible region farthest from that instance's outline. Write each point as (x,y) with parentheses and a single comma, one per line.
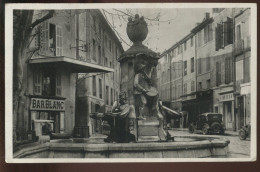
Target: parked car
(244,132)
(208,123)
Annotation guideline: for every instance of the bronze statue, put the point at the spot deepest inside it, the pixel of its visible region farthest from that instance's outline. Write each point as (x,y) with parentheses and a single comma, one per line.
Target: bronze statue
(146,95)
(120,120)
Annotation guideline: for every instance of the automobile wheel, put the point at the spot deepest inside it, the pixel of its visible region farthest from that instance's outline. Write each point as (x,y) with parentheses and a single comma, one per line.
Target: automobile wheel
(191,129)
(216,128)
(205,130)
(242,135)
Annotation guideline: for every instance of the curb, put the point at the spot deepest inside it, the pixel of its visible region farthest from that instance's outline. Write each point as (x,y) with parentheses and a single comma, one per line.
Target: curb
(227,133)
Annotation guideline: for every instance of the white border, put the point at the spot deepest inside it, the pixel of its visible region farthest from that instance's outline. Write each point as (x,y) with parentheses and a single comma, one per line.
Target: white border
(9,72)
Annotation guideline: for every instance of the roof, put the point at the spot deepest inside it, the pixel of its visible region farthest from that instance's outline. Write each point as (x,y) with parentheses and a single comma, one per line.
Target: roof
(202,25)
(175,45)
(110,30)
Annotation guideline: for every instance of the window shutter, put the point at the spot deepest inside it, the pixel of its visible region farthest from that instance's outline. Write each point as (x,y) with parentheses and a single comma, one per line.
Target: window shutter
(59,49)
(44,38)
(217,37)
(58,84)
(227,70)
(230,30)
(221,35)
(225,34)
(210,32)
(205,34)
(37,83)
(199,66)
(217,73)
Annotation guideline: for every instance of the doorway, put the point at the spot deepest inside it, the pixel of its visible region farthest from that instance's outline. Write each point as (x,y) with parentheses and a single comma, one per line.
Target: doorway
(241,112)
(55,116)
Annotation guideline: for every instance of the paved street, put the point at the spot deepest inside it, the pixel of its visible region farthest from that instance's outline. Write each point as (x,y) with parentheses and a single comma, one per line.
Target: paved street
(237,148)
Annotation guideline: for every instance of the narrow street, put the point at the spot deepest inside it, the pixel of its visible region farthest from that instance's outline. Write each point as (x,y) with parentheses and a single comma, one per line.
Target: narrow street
(237,148)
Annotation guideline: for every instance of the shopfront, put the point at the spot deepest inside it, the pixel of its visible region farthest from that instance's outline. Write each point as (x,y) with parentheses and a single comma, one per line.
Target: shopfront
(49,111)
(226,107)
(243,105)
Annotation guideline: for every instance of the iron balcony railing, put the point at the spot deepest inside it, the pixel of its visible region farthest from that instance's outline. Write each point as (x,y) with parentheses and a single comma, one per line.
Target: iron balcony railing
(243,45)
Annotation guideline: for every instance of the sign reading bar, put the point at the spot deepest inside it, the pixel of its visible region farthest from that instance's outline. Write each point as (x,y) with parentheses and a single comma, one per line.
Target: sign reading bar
(226,97)
(47,104)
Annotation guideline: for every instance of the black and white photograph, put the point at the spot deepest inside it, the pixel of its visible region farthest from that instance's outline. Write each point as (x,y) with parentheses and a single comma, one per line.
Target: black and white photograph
(169,82)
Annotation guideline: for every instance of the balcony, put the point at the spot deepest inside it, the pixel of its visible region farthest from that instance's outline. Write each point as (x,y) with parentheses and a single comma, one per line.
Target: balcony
(247,43)
(71,64)
(239,47)
(243,45)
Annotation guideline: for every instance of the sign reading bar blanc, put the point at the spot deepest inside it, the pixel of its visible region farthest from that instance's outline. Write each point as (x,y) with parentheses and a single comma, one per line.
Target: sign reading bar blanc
(47,104)
(226,97)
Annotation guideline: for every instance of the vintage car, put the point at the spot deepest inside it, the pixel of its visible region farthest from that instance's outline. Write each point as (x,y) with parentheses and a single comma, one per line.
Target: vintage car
(208,123)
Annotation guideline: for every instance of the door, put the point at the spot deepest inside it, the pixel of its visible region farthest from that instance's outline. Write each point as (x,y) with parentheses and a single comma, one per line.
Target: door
(55,116)
(241,112)
(228,114)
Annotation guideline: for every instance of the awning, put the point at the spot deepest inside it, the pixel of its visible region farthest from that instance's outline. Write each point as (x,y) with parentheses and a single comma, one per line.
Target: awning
(73,65)
(172,113)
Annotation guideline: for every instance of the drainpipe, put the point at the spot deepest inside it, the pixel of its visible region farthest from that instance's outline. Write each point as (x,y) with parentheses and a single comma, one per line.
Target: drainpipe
(170,79)
(182,72)
(195,65)
(234,70)
(77,36)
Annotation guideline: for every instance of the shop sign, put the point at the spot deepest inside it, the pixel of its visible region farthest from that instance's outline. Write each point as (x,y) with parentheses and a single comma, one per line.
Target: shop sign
(47,104)
(226,97)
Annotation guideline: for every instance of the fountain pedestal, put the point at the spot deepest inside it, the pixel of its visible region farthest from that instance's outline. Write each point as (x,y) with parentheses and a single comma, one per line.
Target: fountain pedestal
(139,81)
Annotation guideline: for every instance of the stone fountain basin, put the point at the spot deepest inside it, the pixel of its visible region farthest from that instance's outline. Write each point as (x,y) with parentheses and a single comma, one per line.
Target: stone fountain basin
(182,147)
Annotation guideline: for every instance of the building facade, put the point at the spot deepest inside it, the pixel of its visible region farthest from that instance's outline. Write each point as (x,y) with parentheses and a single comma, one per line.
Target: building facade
(96,92)
(242,56)
(50,76)
(216,59)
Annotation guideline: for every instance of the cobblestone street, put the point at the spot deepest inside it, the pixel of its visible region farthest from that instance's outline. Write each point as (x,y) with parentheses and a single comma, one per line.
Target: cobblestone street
(237,148)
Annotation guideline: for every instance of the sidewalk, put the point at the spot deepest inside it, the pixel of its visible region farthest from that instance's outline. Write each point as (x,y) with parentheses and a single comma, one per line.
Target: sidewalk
(227,132)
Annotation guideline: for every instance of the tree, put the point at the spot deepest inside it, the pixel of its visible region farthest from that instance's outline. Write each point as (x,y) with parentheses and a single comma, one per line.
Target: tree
(22,33)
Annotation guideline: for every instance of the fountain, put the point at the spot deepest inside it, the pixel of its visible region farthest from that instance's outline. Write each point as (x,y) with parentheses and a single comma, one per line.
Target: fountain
(143,133)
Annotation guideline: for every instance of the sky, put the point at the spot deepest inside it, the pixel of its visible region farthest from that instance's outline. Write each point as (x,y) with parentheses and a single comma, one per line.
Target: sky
(173,24)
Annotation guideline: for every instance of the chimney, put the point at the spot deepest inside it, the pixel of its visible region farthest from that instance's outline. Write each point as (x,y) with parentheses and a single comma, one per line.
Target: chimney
(207,15)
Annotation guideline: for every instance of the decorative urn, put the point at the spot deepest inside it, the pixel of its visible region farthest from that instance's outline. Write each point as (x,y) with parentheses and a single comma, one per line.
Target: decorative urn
(137,29)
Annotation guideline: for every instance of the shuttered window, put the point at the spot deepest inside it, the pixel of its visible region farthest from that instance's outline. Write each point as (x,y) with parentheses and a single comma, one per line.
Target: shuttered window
(37,83)
(238,32)
(192,86)
(59,41)
(199,38)
(192,65)
(210,36)
(58,84)
(44,37)
(185,88)
(199,66)
(228,32)
(219,37)
(224,34)
(107,95)
(218,73)
(228,70)
(111,96)
(208,64)
(185,68)
(94,86)
(247,70)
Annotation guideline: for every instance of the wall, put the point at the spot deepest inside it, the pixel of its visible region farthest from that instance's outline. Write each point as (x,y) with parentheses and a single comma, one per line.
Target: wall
(104,52)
